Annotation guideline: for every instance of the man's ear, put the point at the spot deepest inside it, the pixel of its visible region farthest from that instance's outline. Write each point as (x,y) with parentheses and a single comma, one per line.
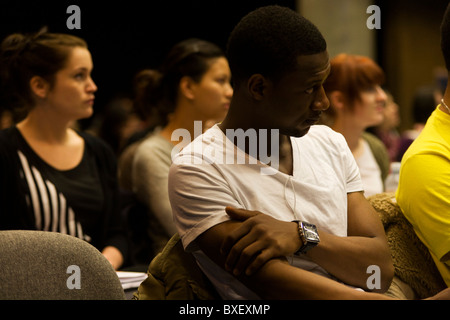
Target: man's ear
(187,87)
(257,85)
(39,86)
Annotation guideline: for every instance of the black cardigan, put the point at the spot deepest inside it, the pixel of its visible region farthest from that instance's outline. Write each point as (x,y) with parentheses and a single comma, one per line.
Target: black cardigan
(15,214)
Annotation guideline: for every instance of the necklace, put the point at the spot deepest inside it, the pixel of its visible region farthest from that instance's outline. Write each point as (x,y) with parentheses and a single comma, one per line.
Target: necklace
(445,105)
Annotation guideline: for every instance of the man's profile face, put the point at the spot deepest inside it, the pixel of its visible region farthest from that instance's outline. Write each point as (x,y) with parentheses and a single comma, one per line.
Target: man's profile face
(296,101)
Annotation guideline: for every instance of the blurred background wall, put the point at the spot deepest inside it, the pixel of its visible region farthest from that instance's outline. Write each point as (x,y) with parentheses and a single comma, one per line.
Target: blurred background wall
(343,24)
(407,46)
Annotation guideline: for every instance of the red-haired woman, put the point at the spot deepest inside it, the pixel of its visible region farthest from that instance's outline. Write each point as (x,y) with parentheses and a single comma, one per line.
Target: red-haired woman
(357,102)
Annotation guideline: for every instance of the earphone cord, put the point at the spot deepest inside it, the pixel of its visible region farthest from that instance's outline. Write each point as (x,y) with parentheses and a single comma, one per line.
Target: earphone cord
(295,199)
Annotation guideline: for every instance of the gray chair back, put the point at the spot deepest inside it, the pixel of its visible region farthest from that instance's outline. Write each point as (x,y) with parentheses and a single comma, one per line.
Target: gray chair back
(39,265)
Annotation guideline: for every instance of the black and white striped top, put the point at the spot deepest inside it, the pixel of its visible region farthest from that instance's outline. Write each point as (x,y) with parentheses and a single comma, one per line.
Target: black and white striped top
(68,202)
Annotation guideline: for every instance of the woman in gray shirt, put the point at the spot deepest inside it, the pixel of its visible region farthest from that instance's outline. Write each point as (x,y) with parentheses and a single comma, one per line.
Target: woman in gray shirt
(191,92)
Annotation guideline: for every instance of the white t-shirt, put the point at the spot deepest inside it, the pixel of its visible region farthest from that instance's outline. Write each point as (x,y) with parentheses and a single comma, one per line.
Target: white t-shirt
(202,184)
(370,171)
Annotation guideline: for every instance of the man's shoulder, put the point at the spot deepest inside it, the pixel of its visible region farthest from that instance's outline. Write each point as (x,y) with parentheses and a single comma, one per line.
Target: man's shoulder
(321,129)
(428,145)
(212,138)
(321,133)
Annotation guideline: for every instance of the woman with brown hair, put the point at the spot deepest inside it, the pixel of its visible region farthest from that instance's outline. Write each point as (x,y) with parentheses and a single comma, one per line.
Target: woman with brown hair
(192,87)
(54,178)
(357,102)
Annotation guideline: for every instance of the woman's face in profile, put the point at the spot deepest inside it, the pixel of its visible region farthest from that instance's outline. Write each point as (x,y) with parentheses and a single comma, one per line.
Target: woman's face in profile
(370,108)
(72,95)
(212,95)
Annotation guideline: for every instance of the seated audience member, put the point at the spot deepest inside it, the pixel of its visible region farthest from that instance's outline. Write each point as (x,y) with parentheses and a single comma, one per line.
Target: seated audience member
(143,104)
(150,119)
(387,130)
(54,178)
(388,133)
(117,123)
(356,103)
(193,84)
(6,119)
(319,233)
(279,62)
(424,188)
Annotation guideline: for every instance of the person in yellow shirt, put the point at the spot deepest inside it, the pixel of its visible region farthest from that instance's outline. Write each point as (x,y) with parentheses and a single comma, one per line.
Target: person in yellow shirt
(423,192)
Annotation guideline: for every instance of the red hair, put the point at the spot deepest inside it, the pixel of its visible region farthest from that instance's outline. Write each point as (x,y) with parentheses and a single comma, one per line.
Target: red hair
(351,74)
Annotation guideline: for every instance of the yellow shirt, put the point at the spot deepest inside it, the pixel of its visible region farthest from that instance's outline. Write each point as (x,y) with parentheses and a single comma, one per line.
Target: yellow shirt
(423,192)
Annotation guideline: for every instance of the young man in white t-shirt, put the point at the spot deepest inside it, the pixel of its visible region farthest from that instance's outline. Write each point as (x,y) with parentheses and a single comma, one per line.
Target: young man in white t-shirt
(268,221)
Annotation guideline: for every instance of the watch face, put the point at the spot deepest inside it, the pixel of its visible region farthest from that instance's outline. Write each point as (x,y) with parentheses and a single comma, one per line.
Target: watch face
(310,232)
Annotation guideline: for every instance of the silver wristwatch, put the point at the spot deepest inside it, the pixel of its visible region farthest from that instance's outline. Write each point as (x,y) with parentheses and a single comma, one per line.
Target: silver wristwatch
(308,236)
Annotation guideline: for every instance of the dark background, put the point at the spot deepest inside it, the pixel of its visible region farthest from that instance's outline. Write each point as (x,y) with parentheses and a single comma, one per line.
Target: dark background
(127,36)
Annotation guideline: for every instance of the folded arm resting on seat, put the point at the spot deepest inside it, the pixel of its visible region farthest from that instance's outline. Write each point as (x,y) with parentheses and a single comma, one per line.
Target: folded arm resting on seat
(348,258)
(276,279)
(261,237)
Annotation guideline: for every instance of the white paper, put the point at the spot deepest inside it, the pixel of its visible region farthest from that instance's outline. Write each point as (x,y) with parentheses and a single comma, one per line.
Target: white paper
(131,279)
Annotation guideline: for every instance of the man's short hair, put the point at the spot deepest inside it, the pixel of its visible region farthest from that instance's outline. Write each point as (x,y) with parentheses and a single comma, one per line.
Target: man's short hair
(268,41)
(445,37)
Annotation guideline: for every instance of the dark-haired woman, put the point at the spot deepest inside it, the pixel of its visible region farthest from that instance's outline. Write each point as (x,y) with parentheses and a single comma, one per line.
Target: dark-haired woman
(357,102)
(54,178)
(193,84)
